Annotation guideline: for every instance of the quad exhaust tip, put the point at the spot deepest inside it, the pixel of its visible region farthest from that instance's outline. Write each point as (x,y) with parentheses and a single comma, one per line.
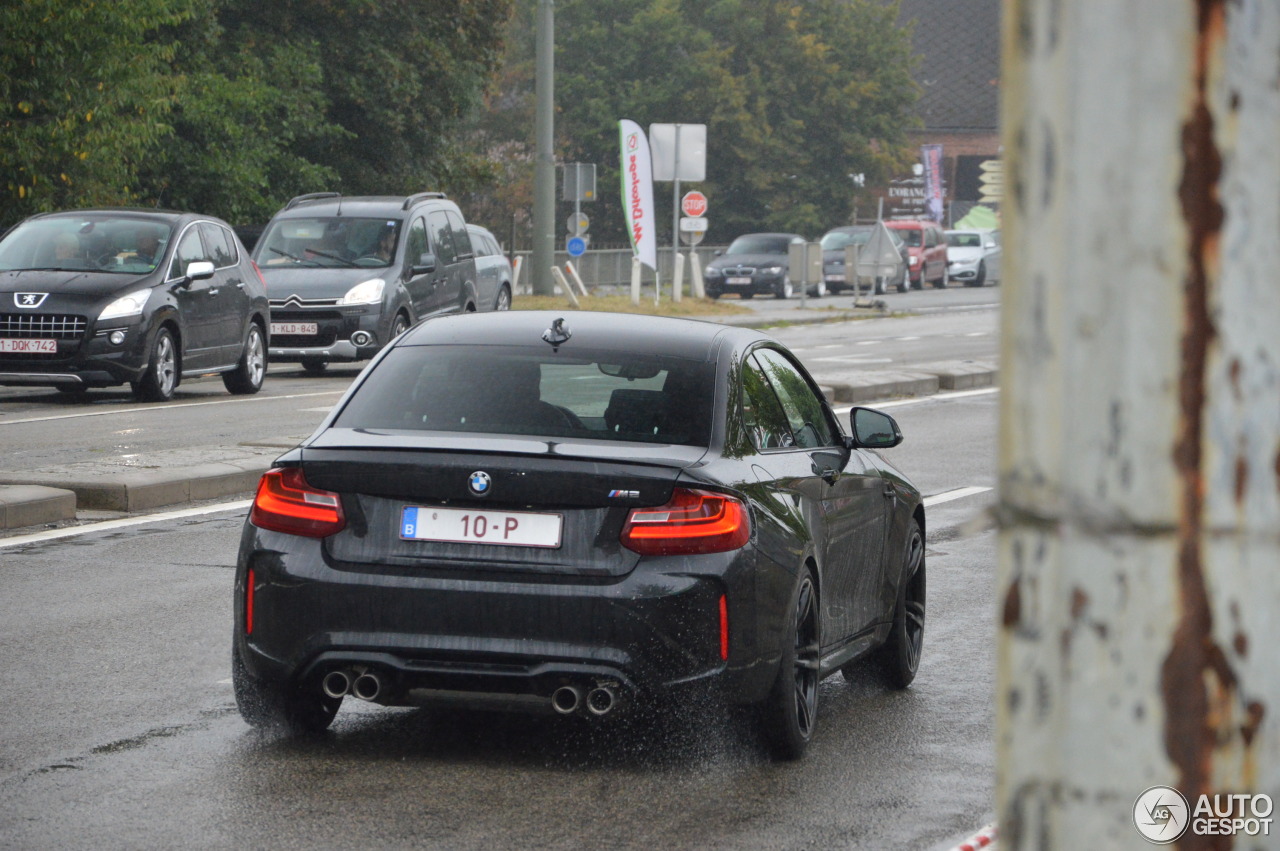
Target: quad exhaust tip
(601,700)
(566,699)
(368,686)
(336,683)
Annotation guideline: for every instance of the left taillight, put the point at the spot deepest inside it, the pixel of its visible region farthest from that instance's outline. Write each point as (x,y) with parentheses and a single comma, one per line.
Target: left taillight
(692,522)
(286,503)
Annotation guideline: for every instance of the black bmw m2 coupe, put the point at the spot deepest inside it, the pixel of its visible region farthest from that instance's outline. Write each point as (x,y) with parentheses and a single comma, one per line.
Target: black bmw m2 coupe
(577,514)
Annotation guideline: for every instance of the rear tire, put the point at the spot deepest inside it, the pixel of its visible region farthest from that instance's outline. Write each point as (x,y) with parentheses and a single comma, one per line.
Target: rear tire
(246,379)
(270,706)
(161,378)
(899,659)
(790,713)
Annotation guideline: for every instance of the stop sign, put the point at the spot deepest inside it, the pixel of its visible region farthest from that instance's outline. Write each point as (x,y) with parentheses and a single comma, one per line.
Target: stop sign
(694,204)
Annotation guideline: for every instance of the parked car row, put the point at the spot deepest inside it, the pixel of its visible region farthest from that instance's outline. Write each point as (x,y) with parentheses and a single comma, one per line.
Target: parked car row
(99,298)
(904,254)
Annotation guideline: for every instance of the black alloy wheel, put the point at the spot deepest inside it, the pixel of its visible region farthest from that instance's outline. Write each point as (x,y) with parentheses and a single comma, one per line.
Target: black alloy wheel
(161,377)
(791,710)
(246,379)
(315,366)
(899,658)
(287,709)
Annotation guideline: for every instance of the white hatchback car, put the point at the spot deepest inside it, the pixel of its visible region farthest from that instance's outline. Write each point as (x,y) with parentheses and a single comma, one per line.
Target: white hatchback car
(973,256)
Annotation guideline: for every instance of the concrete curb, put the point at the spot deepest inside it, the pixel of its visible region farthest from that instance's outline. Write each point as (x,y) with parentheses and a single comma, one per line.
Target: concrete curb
(34,505)
(169,478)
(924,380)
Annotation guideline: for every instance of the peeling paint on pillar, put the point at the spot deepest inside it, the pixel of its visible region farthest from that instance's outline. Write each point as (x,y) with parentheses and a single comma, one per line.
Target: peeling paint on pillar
(1139,480)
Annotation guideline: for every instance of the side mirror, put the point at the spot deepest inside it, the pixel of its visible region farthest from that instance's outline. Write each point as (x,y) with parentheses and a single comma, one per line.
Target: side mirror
(873,430)
(199,270)
(426,263)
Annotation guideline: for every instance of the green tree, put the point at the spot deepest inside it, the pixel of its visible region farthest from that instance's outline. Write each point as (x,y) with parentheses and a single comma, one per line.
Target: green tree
(397,77)
(244,105)
(85,94)
(795,96)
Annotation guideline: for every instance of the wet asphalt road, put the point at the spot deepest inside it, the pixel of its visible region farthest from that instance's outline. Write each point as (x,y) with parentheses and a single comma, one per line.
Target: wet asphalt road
(119,728)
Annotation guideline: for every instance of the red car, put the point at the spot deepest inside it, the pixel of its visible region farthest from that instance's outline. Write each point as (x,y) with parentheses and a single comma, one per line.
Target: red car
(927,251)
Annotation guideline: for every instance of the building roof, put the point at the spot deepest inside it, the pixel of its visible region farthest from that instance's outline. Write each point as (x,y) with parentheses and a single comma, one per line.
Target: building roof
(958,43)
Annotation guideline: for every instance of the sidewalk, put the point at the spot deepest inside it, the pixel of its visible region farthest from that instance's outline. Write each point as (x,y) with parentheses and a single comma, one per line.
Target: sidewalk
(54,494)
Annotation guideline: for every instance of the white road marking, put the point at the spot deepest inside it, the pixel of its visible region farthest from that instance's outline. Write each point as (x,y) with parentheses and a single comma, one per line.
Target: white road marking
(937,397)
(170,407)
(854,359)
(978,334)
(123,523)
(870,342)
(315,410)
(949,496)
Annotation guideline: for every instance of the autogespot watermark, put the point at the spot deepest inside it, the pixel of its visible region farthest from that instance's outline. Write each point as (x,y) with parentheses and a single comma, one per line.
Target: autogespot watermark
(1162,815)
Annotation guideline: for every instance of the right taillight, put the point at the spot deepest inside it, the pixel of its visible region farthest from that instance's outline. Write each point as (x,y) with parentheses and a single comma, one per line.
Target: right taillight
(286,503)
(693,521)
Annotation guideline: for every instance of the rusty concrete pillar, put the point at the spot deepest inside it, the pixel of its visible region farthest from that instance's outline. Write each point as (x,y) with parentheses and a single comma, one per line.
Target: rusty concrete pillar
(1139,502)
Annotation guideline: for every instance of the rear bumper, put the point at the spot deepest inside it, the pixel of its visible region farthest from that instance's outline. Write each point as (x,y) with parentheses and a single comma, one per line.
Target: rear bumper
(445,634)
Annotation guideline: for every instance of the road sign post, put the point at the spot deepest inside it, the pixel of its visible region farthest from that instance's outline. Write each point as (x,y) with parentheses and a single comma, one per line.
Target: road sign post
(679,153)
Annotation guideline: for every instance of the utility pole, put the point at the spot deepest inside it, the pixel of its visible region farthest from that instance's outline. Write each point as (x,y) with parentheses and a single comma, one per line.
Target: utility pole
(544,175)
(1139,467)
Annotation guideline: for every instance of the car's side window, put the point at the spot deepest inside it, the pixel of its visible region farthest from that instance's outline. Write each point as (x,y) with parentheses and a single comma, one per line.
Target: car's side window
(220,245)
(762,414)
(190,250)
(804,410)
(416,241)
(461,239)
(441,238)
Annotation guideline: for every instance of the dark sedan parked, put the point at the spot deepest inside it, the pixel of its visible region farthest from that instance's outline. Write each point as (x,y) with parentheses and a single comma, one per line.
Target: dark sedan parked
(570,515)
(97,298)
(753,264)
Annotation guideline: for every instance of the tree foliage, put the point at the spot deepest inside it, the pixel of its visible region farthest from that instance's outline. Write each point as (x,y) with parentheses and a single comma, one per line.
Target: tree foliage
(231,107)
(796,95)
(85,95)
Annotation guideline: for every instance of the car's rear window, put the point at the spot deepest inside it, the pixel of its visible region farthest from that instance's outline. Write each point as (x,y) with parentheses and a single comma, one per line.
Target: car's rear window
(516,390)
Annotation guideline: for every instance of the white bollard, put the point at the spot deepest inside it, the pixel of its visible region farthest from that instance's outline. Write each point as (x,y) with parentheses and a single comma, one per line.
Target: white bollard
(559,276)
(695,276)
(515,274)
(677,278)
(577,279)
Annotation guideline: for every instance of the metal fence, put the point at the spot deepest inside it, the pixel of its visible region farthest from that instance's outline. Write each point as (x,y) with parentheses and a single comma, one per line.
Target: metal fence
(611,267)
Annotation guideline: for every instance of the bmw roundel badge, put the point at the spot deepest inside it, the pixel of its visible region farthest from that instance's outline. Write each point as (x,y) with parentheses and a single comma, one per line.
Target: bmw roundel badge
(479,483)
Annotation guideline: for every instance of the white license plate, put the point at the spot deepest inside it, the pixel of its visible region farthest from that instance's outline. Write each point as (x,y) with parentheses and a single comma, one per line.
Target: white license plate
(25,346)
(737,280)
(301,329)
(835,279)
(463,526)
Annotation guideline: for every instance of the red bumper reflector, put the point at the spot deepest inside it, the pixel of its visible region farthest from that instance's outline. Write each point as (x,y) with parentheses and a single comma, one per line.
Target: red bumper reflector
(286,503)
(724,627)
(249,583)
(692,522)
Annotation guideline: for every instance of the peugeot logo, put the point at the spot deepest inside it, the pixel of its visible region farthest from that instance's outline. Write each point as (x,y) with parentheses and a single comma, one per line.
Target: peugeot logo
(479,483)
(29,299)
